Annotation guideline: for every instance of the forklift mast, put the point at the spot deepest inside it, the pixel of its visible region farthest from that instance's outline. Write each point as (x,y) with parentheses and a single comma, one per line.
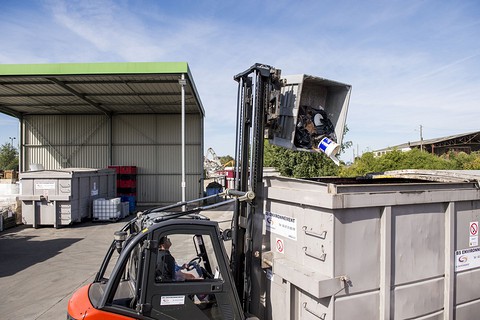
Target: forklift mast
(257,107)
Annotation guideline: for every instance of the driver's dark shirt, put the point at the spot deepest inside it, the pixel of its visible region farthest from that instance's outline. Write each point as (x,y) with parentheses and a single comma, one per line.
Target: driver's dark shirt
(165,267)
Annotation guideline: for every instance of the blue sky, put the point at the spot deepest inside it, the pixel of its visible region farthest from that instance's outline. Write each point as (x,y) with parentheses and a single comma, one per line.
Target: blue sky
(410,62)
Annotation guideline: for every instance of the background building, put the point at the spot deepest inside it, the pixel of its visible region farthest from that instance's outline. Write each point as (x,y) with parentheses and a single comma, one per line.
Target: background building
(99,114)
(466,142)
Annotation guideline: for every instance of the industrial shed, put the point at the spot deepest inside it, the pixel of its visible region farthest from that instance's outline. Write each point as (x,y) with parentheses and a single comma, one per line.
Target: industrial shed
(94,115)
(465,142)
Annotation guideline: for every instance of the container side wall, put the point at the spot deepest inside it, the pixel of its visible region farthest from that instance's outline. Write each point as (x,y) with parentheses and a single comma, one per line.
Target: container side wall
(372,251)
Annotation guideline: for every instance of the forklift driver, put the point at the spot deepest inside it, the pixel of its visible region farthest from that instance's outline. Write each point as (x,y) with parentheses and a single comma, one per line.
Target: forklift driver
(167,269)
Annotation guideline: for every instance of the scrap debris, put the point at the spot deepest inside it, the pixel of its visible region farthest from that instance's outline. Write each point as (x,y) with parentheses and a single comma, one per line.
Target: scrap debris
(315,131)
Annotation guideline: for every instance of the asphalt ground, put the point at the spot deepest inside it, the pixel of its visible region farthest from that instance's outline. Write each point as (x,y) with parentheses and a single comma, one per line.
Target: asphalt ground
(41,268)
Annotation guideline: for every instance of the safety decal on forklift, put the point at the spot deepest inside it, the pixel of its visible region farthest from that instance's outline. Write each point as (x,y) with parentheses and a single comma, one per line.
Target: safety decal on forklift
(172,300)
(282,225)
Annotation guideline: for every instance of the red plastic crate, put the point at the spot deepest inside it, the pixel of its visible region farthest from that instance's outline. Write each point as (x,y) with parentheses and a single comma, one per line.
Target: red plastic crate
(127,177)
(125,169)
(126,183)
(126,191)
(128,170)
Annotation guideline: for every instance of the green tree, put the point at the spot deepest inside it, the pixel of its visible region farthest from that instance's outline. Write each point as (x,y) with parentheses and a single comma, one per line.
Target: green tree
(299,164)
(8,157)
(226,160)
(413,159)
(302,164)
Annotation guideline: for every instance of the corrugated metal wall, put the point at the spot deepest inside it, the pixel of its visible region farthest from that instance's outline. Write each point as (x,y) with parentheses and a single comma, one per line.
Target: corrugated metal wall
(153,144)
(150,142)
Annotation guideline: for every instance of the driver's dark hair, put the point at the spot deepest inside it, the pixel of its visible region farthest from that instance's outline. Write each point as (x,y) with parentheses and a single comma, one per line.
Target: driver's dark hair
(162,240)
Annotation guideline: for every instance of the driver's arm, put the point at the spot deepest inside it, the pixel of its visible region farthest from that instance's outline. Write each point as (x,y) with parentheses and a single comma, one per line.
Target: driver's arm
(180,275)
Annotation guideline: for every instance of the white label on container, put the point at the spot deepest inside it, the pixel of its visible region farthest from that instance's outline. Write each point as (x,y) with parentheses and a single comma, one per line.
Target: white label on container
(45,185)
(172,300)
(473,241)
(282,225)
(94,191)
(467,259)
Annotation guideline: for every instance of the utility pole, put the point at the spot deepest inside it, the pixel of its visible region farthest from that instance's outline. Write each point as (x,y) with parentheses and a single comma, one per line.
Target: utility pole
(11,141)
(421,138)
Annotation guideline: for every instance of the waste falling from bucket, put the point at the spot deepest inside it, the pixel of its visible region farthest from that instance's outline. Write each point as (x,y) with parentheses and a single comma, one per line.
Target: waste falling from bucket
(330,148)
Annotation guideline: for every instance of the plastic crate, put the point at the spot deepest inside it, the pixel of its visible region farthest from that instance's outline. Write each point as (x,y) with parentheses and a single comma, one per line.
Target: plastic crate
(132,202)
(126,184)
(126,192)
(125,206)
(125,169)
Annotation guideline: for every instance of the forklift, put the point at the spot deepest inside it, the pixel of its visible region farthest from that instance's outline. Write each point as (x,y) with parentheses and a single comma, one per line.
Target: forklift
(171,262)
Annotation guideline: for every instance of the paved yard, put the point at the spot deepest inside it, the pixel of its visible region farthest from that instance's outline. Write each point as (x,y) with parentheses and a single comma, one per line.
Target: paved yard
(41,268)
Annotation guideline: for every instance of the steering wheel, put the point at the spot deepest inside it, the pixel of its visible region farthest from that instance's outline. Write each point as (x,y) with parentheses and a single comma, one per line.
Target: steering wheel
(192,263)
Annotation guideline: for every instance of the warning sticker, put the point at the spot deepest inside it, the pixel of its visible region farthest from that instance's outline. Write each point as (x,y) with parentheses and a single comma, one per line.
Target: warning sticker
(280,246)
(467,259)
(172,300)
(473,229)
(282,225)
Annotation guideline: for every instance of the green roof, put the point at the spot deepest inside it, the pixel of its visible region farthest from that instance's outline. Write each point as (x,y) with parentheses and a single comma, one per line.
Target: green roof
(92,88)
(94,68)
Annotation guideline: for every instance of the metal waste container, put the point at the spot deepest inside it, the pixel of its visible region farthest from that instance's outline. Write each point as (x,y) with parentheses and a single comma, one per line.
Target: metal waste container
(383,248)
(61,197)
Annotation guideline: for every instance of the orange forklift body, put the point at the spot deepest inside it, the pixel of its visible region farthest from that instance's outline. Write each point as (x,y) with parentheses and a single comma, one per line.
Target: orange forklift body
(80,307)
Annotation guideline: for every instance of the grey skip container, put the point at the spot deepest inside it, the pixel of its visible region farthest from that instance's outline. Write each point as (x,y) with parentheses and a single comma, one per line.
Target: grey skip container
(393,247)
(61,197)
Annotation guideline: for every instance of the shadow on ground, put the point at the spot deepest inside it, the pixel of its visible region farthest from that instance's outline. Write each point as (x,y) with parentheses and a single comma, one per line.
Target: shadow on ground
(20,252)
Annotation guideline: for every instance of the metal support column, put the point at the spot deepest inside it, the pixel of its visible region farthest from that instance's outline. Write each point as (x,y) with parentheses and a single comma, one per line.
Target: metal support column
(385,263)
(449,282)
(21,146)
(110,145)
(182,83)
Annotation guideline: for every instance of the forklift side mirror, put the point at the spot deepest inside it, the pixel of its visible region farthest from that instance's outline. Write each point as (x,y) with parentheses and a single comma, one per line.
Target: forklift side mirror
(226,234)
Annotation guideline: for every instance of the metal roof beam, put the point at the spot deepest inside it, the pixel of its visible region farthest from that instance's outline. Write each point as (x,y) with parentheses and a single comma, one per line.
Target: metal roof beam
(10,112)
(53,105)
(80,95)
(67,82)
(122,94)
